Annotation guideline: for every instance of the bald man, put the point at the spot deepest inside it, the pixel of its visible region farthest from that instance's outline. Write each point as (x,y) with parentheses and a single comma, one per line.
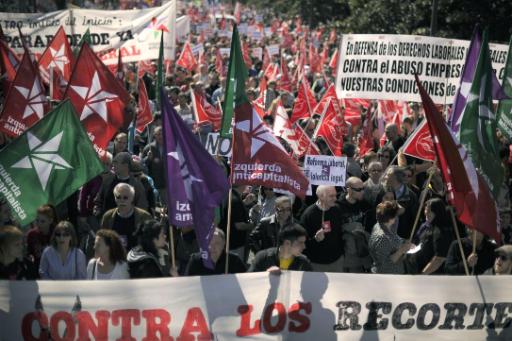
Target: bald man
(322,221)
(353,210)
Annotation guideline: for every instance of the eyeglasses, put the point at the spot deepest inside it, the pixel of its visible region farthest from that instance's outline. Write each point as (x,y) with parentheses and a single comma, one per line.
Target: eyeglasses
(124,197)
(64,234)
(283,209)
(357,189)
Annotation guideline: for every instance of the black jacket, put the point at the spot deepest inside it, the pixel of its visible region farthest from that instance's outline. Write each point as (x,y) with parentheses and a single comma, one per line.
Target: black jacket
(143,265)
(196,267)
(270,257)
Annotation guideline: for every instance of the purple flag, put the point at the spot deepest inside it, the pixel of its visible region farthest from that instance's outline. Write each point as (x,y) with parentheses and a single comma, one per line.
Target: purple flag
(468,73)
(196,183)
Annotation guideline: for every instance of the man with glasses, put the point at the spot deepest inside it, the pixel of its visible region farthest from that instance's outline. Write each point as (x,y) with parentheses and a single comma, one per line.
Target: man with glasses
(353,209)
(265,234)
(125,218)
(503,262)
(122,163)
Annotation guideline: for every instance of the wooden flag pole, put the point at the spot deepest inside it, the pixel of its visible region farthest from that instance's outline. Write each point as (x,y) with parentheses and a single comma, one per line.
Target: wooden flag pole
(473,250)
(454,222)
(422,202)
(228,228)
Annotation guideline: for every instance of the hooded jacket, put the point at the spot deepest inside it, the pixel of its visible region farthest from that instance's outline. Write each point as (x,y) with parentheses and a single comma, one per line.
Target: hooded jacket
(142,264)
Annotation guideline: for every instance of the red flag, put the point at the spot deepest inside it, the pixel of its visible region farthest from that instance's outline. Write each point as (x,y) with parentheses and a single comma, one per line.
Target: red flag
(246,54)
(296,138)
(285,83)
(334,60)
(58,55)
(263,85)
(259,158)
(259,106)
(145,66)
(205,112)
(419,144)
(387,110)
(366,139)
(26,102)
(332,128)
(467,190)
(353,108)
(329,96)
(187,59)
(144,116)
(304,103)
(9,63)
(98,98)
(266,59)
(271,72)
(306,145)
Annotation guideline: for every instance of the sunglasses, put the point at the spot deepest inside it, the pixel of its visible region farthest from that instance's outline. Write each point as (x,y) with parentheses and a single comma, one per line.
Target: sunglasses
(357,189)
(64,234)
(503,258)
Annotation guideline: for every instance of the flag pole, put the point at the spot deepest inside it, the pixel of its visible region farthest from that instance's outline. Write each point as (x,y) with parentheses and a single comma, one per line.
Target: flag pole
(228,227)
(473,250)
(171,239)
(454,222)
(423,196)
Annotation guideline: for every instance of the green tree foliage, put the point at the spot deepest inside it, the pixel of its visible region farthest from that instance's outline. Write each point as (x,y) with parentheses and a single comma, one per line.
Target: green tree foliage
(455,18)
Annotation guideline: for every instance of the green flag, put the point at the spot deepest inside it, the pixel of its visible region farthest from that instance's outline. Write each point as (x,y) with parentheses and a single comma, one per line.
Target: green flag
(160,71)
(235,84)
(85,38)
(504,112)
(47,163)
(478,126)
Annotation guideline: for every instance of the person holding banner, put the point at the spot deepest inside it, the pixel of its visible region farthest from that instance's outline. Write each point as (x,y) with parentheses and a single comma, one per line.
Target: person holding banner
(322,221)
(63,260)
(145,260)
(12,264)
(288,256)
(217,248)
(479,261)
(110,257)
(435,237)
(386,247)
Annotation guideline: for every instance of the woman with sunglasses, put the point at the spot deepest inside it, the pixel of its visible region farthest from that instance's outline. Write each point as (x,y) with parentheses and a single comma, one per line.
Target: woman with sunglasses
(63,260)
(109,260)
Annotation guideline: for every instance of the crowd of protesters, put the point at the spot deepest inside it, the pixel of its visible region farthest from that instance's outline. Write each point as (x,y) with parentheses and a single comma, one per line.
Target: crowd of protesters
(115,227)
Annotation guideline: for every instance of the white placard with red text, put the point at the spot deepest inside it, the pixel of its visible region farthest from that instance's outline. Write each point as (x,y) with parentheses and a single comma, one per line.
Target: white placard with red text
(260,306)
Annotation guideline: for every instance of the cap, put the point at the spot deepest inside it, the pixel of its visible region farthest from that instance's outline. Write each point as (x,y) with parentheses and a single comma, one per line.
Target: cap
(504,250)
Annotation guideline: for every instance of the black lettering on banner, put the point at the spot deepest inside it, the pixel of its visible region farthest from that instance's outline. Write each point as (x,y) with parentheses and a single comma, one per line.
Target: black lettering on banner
(455,312)
(478,309)
(426,308)
(396,319)
(348,310)
(502,319)
(373,315)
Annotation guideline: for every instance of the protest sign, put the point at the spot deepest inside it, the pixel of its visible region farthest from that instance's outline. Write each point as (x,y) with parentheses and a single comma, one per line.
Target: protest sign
(135,32)
(325,170)
(273,49)
(260,306)
(383,66)
(257,52)
(224,51)
(212,145)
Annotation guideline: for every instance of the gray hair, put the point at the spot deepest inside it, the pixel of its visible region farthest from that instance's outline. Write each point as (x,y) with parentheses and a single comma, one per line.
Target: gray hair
(124,186)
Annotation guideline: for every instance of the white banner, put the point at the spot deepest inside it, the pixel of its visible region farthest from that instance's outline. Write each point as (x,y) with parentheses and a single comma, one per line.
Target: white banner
(135,32)
(259,306)
(383,66)
(273,49)
(325,170)
(212,145)
(257,52)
